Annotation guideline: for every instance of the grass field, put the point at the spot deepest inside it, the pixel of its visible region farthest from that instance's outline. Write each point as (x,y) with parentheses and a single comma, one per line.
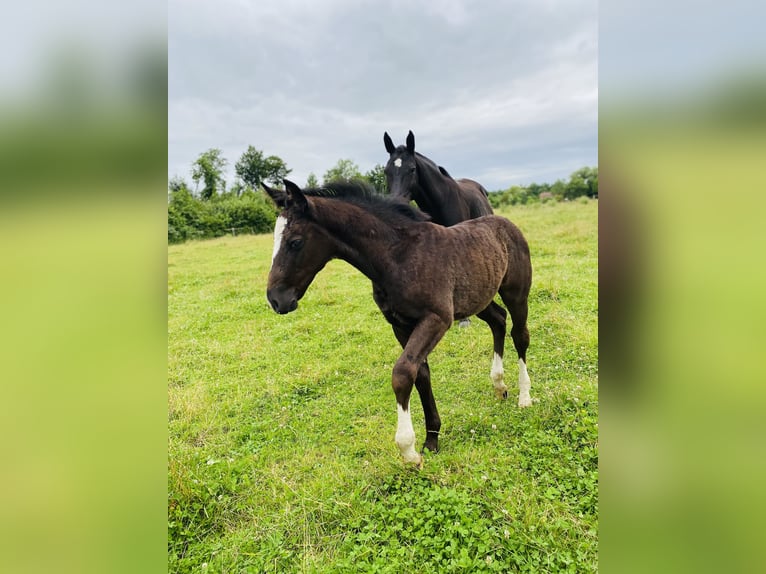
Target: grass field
(281,452)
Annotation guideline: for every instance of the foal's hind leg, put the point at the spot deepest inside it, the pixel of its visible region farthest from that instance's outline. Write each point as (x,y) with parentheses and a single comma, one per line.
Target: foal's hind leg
(494,315)
(520,335)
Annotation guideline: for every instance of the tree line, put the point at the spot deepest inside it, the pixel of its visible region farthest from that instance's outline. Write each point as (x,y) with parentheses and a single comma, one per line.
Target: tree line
(213,208)
(581,183)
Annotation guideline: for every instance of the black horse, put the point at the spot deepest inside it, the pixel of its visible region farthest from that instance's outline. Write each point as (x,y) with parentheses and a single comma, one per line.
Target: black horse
(424,276)
(412,176)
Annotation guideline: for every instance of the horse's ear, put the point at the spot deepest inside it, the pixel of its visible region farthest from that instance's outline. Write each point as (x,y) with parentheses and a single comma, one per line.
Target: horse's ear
(295,195)
(390,147)
(278,196)
(411,142)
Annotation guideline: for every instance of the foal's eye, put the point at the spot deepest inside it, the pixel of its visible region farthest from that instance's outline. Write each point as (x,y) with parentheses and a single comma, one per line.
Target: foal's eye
(295,244)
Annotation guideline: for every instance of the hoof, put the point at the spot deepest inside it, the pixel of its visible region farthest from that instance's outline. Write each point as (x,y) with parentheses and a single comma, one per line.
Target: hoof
(416,460)
(416,463)
(501,393)
(525,402)
(432,446)
(464,323)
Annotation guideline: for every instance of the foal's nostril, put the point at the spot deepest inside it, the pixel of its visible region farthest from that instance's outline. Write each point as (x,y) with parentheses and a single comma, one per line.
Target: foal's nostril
(274,304)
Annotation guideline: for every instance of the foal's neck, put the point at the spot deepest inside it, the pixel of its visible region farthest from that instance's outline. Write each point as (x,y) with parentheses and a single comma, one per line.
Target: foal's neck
(362,239)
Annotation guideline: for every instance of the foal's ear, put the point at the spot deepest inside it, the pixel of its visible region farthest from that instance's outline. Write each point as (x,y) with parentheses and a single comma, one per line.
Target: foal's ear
(390,147)
(295,196)
(411,142)
(278,196)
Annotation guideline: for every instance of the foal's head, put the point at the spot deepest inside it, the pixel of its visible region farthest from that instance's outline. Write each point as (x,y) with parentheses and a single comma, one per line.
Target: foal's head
(301,249)
(401,169)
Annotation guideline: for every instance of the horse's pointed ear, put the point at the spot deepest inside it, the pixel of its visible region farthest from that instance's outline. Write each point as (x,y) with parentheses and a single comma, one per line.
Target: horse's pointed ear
(390,147)
(411,142)
(278,196)
(295,195)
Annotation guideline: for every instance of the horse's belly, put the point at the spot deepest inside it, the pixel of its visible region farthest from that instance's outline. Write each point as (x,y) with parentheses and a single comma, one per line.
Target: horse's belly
(475,287)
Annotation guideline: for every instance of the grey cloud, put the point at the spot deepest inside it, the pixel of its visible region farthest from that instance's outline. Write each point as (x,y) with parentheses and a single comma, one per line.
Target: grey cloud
(316,82)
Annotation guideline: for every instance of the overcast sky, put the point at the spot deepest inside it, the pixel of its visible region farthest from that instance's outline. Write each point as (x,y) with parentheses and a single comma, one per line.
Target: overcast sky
(503,92)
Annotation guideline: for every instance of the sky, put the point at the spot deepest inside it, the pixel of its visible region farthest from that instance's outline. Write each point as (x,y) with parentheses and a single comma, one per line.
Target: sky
(501,92)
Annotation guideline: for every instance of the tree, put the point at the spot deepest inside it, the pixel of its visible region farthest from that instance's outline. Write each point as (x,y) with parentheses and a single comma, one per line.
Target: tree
(208,168)
(593,183)
(377,178)
(344,170)
(177,183)
(237,188)
(311,180)
(276,170)
(559,189)
(584,181)
(254,169)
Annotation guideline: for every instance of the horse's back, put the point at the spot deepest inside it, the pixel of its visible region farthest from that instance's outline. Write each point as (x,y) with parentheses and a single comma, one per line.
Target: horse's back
(473,184)
(476,197)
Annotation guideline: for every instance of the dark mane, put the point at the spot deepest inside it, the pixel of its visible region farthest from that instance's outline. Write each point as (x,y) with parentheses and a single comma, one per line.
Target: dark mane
(423,160)
(362,194)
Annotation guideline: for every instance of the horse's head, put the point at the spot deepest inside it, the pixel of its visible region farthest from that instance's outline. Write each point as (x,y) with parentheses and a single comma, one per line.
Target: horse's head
(301,249)
(401,169)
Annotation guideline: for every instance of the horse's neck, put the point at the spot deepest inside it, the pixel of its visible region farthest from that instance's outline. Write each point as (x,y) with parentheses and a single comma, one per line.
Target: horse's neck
(362,240)
(439,197)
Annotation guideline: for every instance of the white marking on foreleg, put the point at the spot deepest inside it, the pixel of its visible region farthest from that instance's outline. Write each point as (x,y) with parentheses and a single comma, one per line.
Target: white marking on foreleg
(279,229)
(405,436)
(524,385)
(496,374)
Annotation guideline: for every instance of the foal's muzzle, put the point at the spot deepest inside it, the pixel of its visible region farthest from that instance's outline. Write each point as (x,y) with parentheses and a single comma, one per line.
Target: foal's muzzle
(282,300)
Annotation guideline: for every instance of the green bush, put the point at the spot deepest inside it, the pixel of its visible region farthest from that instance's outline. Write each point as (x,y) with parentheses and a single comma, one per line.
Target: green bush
(192,218)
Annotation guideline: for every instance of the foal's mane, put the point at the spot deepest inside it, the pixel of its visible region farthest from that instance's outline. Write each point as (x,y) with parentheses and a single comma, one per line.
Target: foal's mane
(363,195)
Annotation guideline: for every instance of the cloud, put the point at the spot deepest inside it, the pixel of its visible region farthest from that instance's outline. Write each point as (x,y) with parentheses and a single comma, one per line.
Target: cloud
(316,82)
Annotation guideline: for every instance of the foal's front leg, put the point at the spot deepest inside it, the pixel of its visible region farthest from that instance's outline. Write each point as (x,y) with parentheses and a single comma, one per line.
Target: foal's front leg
(423,385)
(426,334)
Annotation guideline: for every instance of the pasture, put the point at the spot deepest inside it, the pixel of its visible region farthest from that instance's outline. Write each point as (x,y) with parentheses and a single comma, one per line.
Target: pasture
(281,455)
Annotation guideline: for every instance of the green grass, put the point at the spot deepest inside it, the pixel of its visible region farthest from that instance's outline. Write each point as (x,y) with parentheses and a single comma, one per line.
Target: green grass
(281,451)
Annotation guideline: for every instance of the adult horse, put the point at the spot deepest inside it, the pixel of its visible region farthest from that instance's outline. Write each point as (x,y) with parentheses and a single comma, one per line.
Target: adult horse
(424,276)
(412,176)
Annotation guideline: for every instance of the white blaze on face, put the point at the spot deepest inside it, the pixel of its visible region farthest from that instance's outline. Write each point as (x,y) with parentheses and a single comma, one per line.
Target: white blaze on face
(398,162)
(279,229)
(405,435)
(524,385)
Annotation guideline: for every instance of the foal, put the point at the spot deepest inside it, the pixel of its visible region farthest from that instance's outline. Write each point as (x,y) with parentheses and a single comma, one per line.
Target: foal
(424,276)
